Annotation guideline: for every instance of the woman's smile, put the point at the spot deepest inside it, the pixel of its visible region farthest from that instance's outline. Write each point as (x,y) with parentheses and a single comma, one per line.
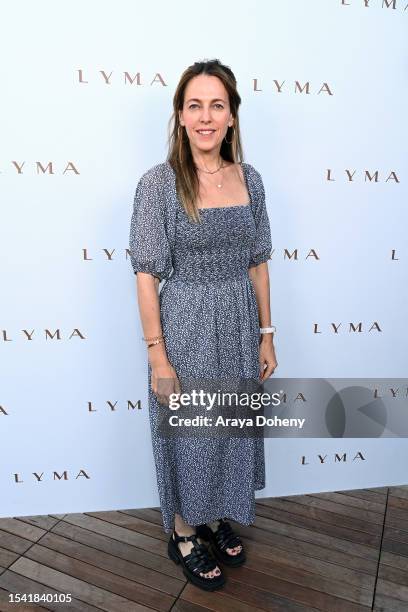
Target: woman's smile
(205,133)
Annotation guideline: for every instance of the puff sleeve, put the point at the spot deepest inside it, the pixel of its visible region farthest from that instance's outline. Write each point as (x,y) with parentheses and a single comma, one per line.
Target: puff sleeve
(148,242)
(262,245)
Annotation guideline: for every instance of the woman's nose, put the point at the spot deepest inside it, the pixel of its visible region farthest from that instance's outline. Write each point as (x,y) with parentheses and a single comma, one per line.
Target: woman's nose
(205,114)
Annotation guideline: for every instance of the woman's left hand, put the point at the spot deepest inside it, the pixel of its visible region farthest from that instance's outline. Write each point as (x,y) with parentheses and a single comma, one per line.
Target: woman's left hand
(267,357)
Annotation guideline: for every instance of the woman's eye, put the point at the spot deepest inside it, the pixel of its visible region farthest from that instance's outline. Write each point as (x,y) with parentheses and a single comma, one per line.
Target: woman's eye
(218,105)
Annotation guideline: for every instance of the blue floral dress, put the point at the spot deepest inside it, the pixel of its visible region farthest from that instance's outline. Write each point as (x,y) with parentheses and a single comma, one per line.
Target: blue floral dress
(210,323)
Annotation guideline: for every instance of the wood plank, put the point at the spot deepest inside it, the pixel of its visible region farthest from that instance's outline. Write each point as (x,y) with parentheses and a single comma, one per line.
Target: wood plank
(12,542)
(7,558)
(264,542)
(265,528)
(57,516)
(121,519)
(398,502)
(393,533)
(22,529)
(282,595)
(182,605)
(286,562)
(395,547)
(302,578)
(122,534)
(391,589)
(339,509)
(393,574)
(7,606)
(146,514)
(219,601)
(109,562)
(401,492)
(354,502)
(392,585)
(95,576)
(44,522)
(119,549)
(20,584)
(383,490)
(367,494)
(322,516)
(383,603)
(80,589)
(393,560)
(397,517)
(282,522)
(316,526)
(304,553)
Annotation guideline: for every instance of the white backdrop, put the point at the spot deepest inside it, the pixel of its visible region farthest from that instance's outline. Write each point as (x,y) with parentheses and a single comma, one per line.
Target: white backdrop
(86,96)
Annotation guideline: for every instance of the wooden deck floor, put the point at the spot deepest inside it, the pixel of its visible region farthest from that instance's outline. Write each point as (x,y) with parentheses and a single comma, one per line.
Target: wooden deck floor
(343,551)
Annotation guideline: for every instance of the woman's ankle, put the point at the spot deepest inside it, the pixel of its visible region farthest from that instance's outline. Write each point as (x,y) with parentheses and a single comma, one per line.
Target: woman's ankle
(182,528)
(214,525)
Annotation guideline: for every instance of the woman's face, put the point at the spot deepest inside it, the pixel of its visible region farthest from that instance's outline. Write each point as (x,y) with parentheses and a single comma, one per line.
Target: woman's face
(206,108)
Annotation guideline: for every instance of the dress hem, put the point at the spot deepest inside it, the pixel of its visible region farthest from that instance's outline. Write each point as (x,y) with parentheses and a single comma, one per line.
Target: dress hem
(211,517)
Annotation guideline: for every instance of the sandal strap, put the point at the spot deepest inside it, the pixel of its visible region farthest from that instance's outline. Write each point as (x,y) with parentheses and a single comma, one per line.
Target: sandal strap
(178,538)
(199,559)
(225,537)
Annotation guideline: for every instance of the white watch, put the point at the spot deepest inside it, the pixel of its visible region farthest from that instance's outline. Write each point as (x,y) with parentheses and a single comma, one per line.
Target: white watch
(268,330)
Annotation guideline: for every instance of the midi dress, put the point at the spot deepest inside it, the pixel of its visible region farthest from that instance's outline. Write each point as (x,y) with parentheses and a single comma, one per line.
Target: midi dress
(210,322)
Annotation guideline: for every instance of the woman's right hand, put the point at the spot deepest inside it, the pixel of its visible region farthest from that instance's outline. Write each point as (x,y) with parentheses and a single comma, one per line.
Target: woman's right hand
(164,381)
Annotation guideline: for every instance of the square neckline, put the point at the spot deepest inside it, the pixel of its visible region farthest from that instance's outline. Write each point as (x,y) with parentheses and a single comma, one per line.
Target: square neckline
(233,205)
(245,171)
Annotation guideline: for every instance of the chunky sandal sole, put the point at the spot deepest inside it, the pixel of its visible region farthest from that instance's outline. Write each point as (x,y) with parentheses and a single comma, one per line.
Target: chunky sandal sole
(205,533)
(208,584)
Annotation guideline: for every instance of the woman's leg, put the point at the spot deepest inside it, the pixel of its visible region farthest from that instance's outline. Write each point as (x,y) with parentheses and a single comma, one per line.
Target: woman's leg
(183,529)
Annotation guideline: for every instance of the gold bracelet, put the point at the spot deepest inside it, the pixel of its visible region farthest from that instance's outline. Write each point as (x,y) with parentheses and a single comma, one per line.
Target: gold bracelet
(157,341)
(152,338)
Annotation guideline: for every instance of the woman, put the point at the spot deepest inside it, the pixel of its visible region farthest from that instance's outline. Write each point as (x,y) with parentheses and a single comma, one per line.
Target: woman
(200,222)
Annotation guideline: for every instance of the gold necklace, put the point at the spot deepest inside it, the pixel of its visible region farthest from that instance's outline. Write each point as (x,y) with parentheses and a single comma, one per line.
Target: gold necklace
(219,185)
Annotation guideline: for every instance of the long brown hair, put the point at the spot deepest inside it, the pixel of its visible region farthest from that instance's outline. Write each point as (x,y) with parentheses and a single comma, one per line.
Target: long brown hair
(179,155)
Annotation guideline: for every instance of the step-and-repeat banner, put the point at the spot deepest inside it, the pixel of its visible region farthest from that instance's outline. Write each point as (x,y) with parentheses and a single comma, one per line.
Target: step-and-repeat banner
(86,97)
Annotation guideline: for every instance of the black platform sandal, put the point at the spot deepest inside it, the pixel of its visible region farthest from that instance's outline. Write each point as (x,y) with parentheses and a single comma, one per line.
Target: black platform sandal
(198,560)
(220,540)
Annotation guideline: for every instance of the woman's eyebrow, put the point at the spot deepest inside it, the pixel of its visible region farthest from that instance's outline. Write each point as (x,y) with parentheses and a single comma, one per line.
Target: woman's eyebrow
(198,99)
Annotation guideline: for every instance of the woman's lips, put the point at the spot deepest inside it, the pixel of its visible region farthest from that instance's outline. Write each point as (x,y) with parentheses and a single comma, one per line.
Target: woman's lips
(206,135)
